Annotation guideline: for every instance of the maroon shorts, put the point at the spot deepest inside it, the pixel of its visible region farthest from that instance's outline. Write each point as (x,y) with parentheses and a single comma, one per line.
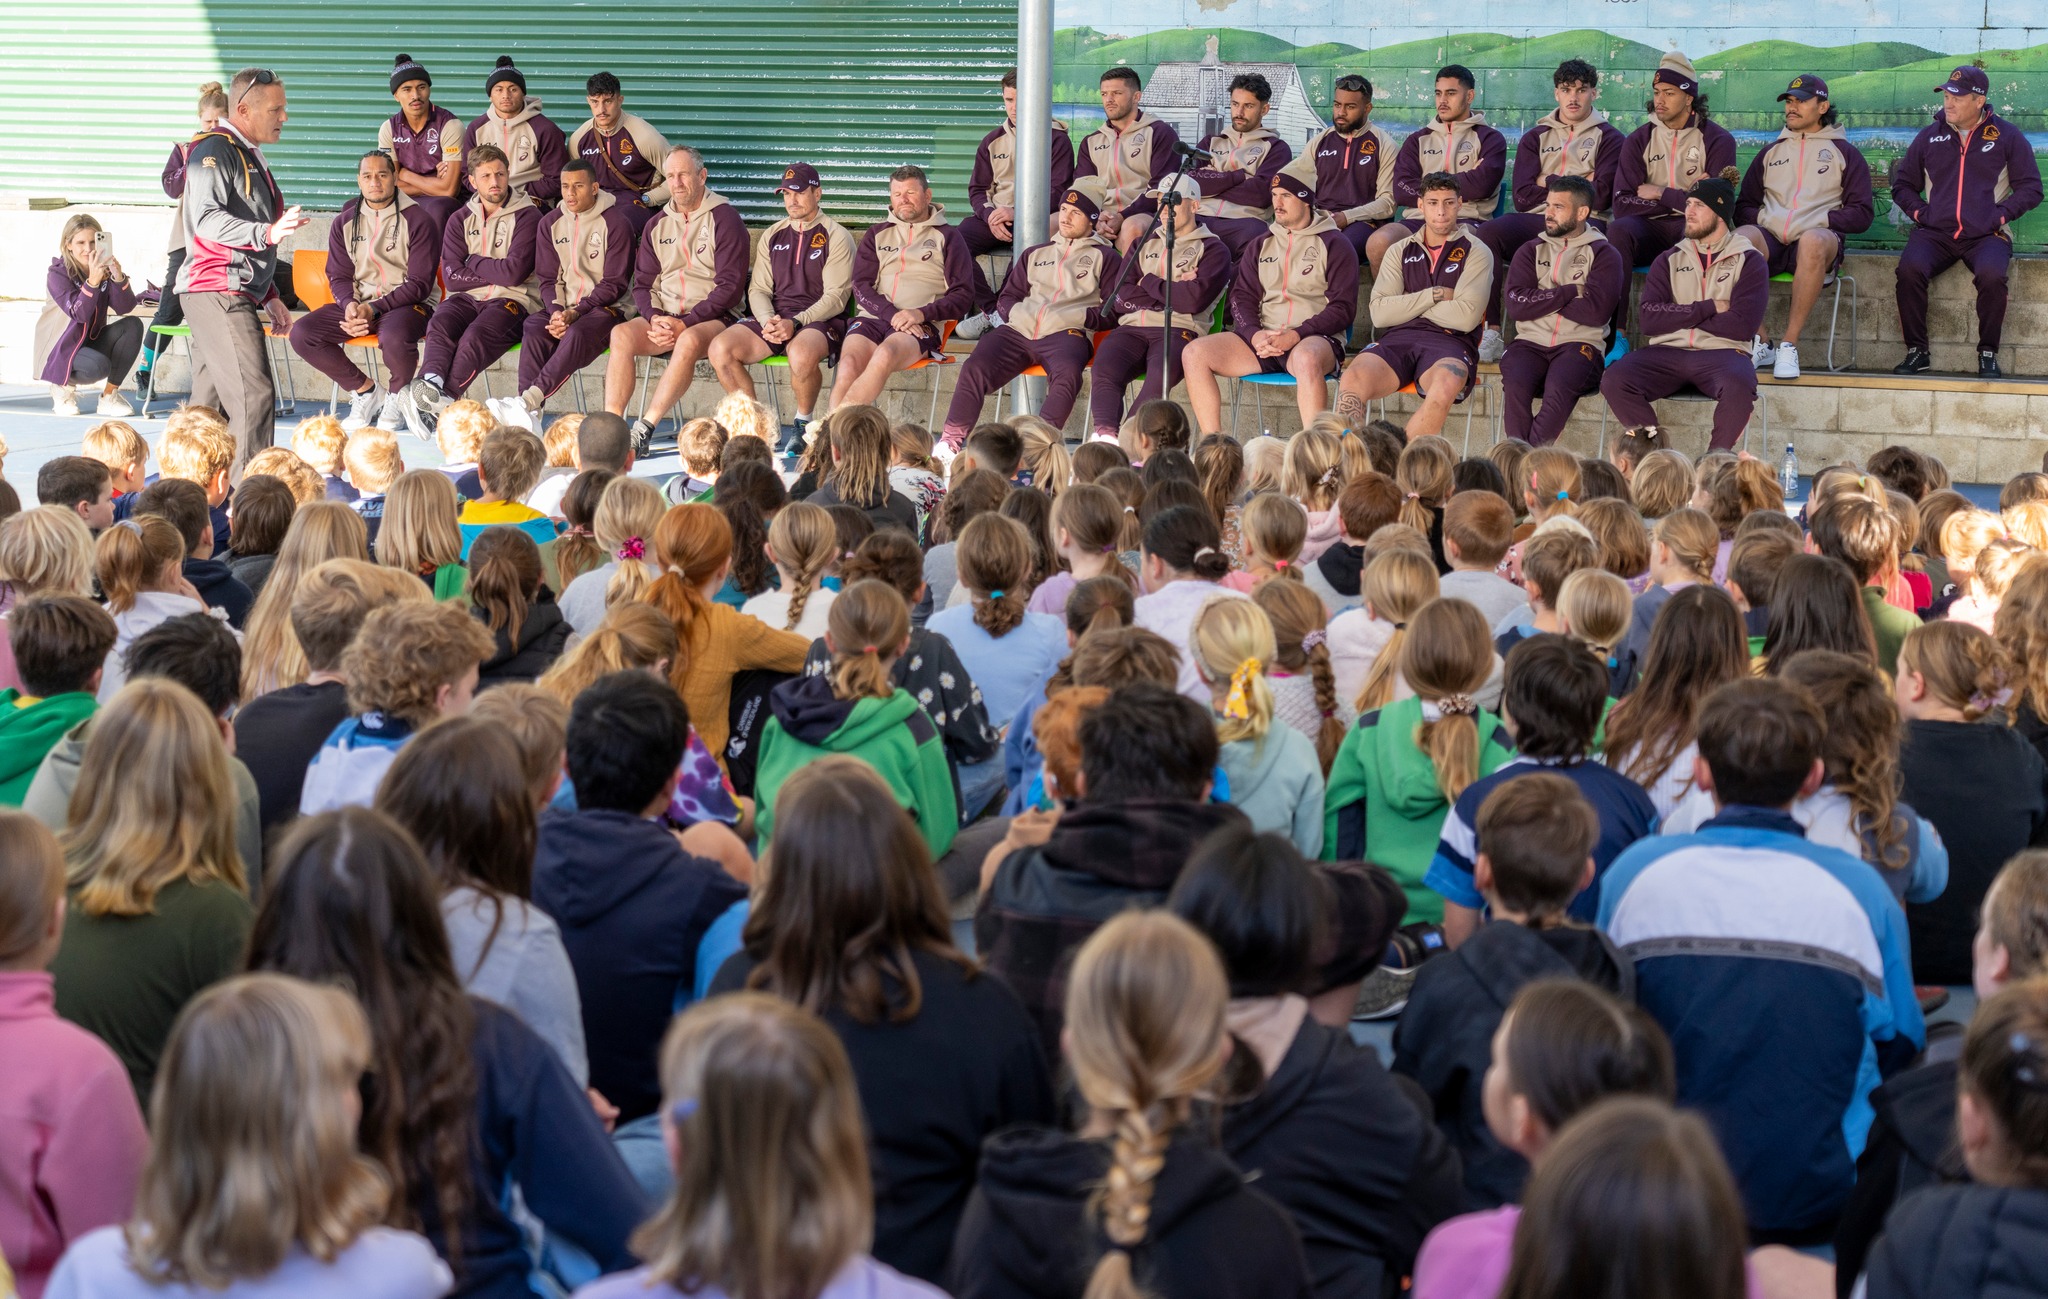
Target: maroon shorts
(1278,364)
(1409,353)
(1780,258)
(834,331)
(878,332)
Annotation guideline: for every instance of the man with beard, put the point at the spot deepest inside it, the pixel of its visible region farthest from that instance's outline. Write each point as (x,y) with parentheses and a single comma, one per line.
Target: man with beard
(1703,304)
(1354,164)
(1237,185)
(1561,291)
(1131,153)
(911,274)
(487,254)
(1456,142)
(1660,162)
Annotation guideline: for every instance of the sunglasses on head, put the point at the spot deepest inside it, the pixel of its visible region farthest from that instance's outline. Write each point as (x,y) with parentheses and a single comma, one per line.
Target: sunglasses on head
(257,77)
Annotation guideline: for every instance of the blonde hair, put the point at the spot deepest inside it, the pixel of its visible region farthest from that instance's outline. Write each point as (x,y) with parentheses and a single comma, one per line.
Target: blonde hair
(153,804)
(2028,522)
(911,445)
(1395,586)
(271,656)
(420,533)
(1446,660)
(115,444)
(868,623)
(47,551)
(319,442)
(1595,607)
(1313,469)
(701,444)
(1273,528)
(1423,474)
(405,653)
(373,460)
(212,96)
(134,556)
(1965,534)
(1550,483)
(1996,567)
(559,442)
(537,724)
(1300,624)
(2016,913)
(283,464)
(629,510)
(461,430)
(510,462)
(1692,539)
(772,1190)
(1145,1035)
(31,881)
(196,445)
(994,561)
(1663,482)
(76,222)
(1961,666)
(1265,461)
(253,1149)
(742,416)
(1232,641)
(632,637)
(2021,626)
(806,542)
(1045,454)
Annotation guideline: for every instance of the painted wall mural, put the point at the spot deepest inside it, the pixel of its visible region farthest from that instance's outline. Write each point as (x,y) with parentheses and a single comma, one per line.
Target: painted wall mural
(1881,59)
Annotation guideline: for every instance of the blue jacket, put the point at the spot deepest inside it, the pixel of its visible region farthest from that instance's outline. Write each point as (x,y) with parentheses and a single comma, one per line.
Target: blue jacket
(1780,970)
(634,909)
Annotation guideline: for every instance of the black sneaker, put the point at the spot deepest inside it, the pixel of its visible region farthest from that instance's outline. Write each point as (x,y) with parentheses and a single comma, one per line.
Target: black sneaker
(643,438)
(428,396)
(1918,361)
(1987,366)
(1384,994)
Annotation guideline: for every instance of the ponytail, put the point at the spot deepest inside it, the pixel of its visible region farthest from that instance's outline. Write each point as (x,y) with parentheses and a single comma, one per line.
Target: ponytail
(1551,483)
(1045,455)
(869,623)
(632,637)
(1232,641)
(1186,539)
(1300,646)
(1219,459)
(748,496)
(130,558)
(1395,586)
(1446,660)
(806,542)
(994,563)
(1692,538)
(1423,473)
(1100,604)
(692,545)
(1090,516)
(1274,528)
(1128,489)
(504,577)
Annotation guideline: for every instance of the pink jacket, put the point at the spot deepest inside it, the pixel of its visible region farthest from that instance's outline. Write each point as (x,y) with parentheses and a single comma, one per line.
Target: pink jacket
(71,1137)
(1467,1257)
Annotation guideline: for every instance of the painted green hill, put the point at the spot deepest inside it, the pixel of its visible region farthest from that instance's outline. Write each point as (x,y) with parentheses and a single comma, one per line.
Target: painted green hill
(1780,58)
(1601,49)
(1146,52)
(1429,55)
(1905,94)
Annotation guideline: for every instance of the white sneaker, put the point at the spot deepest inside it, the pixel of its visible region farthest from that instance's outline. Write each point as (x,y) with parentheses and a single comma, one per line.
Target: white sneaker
(942,454)
(409,411)
(63,399)
(1761,354)
(511,412)
(974,326)
(1491,346)
(391,414)
(114,406)
(1786,364)
(362,408)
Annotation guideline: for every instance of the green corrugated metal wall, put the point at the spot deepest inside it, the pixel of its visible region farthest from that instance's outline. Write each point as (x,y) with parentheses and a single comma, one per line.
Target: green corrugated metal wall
(92,96)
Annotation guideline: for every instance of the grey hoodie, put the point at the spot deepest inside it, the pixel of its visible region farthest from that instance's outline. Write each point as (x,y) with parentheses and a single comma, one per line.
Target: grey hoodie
(1278,782)
(49,800)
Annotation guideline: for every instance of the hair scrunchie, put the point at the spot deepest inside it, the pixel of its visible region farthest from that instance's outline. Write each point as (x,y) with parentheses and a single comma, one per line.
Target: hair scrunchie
(634,548)
(1313,639)
(1457,706)
(1238,705)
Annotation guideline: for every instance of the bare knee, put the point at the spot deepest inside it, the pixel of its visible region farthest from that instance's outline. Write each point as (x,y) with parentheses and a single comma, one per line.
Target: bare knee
(626,338)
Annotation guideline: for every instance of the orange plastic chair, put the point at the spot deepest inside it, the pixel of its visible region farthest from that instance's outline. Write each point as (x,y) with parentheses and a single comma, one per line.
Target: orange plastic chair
(922,362)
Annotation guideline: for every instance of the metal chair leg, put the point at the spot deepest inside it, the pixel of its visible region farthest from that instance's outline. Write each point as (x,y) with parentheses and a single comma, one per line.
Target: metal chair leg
(1236,396)
(932,415)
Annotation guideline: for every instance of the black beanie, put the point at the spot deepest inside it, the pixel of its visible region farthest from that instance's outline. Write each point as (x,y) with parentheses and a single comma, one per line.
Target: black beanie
(505,72)
(1717,193)
(404,69)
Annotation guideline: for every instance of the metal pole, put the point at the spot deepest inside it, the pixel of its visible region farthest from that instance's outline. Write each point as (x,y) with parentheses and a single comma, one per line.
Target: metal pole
(1034,143)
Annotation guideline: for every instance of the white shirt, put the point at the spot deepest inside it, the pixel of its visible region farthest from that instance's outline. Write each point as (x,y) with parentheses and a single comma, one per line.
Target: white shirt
(1171,611)
(381,1264)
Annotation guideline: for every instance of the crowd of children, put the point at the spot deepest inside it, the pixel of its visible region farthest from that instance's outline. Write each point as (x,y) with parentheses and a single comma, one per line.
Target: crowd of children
(526,875)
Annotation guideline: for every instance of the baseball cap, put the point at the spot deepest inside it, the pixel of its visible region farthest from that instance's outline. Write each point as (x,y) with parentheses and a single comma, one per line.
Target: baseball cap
(1805,86)
(798,176)
(1966,81)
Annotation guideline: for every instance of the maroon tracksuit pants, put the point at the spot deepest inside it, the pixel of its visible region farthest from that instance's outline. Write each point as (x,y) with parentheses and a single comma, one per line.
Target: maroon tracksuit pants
(1127,352)
(1504,237)
(1930,252)
(547,362)
(1559,375)
(1639,240)
(317,336)
(1648,374)
(981,241)
(1356,234)
(1001,355)
(465,336)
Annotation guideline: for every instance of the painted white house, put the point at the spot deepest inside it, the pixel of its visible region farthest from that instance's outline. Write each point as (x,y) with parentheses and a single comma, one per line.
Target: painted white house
(1195,98)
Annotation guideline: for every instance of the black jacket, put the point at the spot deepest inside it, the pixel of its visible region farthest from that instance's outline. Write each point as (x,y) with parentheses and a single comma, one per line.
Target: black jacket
(1912,1145)
(894,511)
(1444,1039)
(1102,858)
(542,634)
(219,588)
(633,908)
(1028,1234)
(933,1088)
(1343,567)
(1964,1242)
(1349,1151)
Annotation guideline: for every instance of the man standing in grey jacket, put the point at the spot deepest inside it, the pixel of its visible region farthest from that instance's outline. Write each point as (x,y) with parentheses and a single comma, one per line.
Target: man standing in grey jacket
(235,220)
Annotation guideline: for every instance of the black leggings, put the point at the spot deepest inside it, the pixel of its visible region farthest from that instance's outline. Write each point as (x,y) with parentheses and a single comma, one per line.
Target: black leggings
(108,358)
(169,311)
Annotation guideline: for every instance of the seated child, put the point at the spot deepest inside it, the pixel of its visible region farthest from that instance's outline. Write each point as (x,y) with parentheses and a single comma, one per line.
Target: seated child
(508,465)
(197,447)
(373,463)
(116,444)
(1478,529)
(185,506)
(322,443)
(60,645)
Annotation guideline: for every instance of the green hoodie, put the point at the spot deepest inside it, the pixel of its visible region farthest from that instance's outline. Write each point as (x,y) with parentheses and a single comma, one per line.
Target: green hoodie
(893,735)
(28,734)
(1384,805)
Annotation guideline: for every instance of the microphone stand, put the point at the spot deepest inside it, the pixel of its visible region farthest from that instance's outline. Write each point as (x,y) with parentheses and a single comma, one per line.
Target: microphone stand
(1168,201)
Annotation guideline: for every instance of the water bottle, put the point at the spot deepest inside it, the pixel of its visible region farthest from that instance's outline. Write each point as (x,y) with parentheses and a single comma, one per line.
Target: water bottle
(1788,475)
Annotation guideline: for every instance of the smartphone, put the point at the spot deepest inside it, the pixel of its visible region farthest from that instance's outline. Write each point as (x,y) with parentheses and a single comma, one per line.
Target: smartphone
(103,244)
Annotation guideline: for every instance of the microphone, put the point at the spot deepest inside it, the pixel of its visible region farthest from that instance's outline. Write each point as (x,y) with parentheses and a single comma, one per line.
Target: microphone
(1189,153)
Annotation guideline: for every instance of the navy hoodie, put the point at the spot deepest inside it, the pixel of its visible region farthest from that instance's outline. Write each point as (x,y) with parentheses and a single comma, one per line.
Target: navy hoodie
(1987,1241)
(632,907)
(220,588)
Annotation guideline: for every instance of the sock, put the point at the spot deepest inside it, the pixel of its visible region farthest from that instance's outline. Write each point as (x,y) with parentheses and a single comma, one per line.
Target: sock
(803,417)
